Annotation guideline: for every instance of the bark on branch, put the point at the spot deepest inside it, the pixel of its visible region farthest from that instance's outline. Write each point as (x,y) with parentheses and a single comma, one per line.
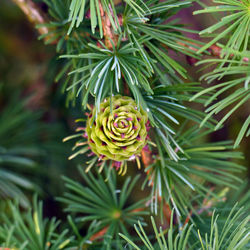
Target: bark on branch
(108,30)
(36,16)
(33,13)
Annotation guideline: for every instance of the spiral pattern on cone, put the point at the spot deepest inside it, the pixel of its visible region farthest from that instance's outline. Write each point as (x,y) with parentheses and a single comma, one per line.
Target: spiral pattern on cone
(119,135)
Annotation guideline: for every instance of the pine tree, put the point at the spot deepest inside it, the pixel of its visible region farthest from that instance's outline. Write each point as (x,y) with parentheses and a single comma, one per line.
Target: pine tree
(148,177)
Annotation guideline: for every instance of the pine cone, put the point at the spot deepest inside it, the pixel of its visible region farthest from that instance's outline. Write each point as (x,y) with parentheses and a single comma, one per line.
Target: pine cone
(119,135)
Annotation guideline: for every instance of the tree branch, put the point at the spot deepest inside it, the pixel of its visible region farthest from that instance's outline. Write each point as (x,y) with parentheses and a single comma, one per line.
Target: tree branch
(108,31)
(33,13)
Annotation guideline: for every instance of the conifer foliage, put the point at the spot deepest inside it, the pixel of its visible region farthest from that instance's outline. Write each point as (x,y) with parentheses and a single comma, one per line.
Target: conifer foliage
(149,177)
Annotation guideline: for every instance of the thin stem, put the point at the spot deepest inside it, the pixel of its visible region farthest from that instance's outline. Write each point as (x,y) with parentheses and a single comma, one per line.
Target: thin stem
(33,13)
(108,31)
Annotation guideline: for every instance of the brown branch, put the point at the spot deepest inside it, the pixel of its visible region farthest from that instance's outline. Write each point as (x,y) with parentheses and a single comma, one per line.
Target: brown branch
(108,30)
(36,16)
(214,50)
(146,156)
(99,234)
(33,13)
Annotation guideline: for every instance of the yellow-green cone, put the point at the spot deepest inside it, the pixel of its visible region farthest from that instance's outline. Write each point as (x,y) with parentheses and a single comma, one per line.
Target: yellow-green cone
(118,136)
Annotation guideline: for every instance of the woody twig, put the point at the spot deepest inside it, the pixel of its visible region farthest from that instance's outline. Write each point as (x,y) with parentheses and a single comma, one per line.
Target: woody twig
(108,30)
(33,13)
(36,16)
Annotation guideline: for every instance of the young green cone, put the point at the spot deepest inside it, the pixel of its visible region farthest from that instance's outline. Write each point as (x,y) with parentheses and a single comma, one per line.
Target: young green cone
(118,135)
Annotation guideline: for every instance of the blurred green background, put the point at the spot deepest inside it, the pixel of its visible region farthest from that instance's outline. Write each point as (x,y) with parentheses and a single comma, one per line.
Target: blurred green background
(33,116)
